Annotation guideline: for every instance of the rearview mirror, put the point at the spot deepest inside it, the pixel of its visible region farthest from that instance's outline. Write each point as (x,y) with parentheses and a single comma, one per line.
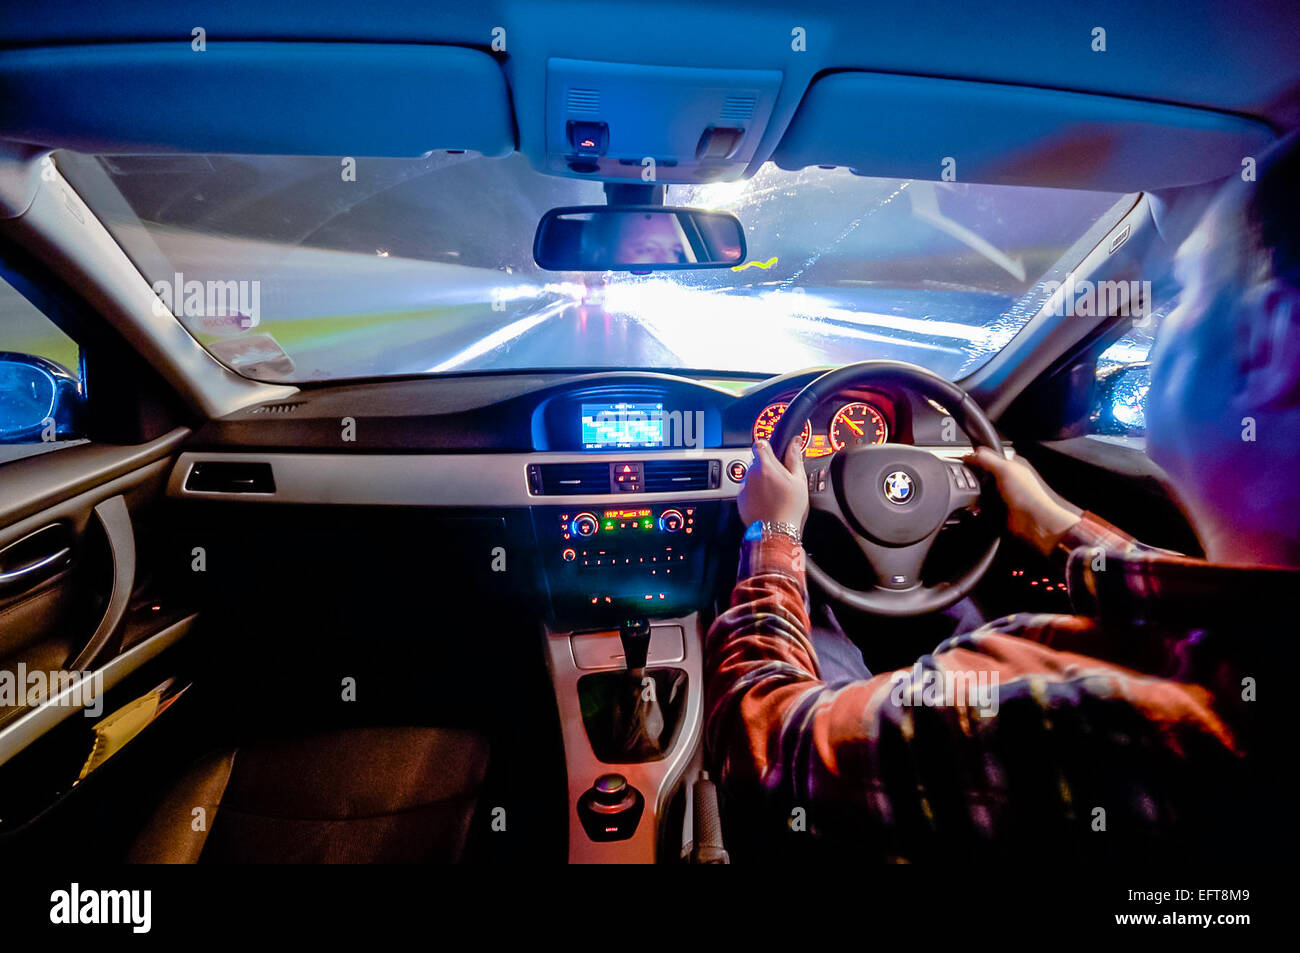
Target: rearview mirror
(637,238)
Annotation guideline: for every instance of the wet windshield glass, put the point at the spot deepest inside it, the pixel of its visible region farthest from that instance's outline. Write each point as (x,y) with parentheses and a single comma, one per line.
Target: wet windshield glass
(297,269)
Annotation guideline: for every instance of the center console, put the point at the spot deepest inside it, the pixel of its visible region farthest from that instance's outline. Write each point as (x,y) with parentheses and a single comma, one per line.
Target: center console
(627,506)
(625,647)
(619,786)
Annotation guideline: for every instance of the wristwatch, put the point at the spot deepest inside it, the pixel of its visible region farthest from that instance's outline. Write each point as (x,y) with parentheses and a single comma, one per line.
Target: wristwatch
(762,529)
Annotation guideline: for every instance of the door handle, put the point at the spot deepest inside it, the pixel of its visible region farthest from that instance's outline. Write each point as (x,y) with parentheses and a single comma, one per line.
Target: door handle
(32,571)
(27,561)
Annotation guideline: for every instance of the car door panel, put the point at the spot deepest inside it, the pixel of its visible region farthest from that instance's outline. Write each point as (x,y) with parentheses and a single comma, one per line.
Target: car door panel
(69,560)
(1119,483)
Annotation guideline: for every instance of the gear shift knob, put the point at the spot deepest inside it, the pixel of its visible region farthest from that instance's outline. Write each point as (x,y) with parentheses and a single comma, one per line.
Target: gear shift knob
(635,636)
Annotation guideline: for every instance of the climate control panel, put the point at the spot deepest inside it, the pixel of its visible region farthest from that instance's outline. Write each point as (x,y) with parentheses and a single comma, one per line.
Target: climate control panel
(603,561)
(637,521)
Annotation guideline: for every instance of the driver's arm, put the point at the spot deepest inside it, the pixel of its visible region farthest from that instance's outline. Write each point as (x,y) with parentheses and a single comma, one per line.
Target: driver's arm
(775,729)
(1107,571)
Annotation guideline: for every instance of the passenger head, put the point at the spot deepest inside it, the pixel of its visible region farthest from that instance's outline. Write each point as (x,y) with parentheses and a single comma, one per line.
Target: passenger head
(1223,410)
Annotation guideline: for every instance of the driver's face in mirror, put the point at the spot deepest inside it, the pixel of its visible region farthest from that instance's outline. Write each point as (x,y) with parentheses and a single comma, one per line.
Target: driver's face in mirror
(649,239)
(639,239)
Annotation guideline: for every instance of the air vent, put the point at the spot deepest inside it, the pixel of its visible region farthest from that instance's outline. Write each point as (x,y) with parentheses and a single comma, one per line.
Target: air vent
(584,101)
(672,476)
(286,407)
(219,476)
(738,108)
(567,479)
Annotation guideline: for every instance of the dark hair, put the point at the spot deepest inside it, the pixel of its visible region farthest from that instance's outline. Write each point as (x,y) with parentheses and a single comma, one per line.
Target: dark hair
(1272,209)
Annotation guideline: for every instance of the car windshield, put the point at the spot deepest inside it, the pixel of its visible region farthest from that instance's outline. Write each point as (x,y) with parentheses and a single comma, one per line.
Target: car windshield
(297,269)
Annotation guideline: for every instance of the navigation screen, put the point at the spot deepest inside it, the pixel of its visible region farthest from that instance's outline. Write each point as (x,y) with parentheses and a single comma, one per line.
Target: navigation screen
(620,425)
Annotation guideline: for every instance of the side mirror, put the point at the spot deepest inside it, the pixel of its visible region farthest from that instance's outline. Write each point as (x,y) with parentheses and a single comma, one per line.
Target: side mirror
(1122,400)
(36,395)
(638,238)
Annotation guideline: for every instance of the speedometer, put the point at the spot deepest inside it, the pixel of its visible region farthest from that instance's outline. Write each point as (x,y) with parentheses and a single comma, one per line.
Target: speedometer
(765,424)
(857,425)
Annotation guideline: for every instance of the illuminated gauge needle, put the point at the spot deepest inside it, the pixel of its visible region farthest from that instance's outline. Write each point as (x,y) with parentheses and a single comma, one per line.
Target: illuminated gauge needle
(854,427)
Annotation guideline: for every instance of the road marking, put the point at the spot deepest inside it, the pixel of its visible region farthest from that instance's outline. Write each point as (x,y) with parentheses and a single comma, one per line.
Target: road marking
(499,337)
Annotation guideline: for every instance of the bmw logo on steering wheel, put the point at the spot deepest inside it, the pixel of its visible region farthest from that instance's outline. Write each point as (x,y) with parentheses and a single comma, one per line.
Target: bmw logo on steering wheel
(899,487)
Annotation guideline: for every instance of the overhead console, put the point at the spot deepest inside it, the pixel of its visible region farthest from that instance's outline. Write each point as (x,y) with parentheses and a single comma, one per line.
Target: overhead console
(618,120)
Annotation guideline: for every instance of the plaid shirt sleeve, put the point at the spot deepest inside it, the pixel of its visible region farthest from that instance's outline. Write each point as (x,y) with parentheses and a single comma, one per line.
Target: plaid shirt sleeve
(1111,575)
(1015,718)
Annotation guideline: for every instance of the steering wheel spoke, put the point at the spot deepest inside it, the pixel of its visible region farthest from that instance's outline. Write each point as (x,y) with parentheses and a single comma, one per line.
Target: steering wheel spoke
(897,567)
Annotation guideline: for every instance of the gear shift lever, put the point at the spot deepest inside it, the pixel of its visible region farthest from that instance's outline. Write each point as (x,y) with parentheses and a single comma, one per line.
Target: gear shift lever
(635,636)
(632,716)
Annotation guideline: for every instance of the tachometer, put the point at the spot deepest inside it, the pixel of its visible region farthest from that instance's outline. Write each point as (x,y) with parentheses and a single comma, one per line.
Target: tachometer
(766,423)
(857,425)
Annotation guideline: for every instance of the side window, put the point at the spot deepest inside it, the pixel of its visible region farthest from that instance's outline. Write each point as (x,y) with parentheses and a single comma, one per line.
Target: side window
(41,391)
(1123,376)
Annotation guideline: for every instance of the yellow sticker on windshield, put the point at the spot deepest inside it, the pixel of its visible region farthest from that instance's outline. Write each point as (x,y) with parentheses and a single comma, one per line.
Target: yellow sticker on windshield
(757,264)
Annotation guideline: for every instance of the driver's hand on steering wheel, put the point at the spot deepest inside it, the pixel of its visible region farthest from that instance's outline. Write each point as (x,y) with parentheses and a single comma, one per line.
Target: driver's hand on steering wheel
(1035,513)
(774,490)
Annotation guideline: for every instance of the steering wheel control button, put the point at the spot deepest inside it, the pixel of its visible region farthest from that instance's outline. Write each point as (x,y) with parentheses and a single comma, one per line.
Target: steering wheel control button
(963,478)
(736,470)
(899,488)
(610,809)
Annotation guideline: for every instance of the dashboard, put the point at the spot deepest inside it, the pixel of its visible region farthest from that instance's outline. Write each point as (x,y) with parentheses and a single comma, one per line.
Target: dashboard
(576,417)
(621,482)
(858,420)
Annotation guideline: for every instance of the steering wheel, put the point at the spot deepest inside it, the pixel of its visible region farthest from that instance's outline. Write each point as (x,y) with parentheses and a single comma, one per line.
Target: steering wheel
(893,499)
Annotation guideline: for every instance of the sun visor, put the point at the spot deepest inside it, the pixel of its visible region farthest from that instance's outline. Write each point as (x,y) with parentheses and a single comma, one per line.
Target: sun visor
(344,99)
(915,127)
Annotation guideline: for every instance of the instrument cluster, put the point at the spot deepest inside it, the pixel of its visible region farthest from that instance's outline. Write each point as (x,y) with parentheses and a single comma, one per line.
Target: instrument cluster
(854,423)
